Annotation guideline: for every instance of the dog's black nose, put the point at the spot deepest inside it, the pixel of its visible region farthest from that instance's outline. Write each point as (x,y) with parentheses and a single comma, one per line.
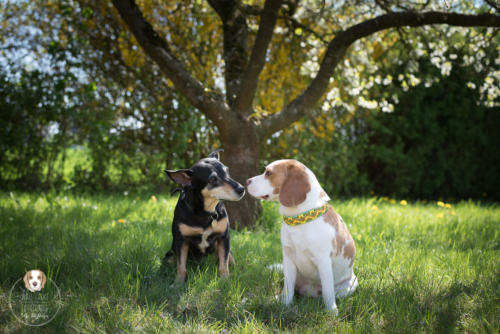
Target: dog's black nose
(240,190)
(35,283)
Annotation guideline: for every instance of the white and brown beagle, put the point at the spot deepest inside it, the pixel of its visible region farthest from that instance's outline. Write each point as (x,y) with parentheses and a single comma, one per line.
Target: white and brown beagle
(34,280)
(318,251)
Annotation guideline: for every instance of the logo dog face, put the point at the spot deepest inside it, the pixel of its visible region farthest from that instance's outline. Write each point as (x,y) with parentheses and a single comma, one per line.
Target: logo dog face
(34,280)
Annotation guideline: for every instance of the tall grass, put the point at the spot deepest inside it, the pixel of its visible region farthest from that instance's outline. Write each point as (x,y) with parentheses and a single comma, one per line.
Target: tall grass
(422,267)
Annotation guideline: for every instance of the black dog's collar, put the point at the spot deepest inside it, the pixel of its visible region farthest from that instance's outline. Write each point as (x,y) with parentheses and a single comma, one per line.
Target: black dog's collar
(214,215)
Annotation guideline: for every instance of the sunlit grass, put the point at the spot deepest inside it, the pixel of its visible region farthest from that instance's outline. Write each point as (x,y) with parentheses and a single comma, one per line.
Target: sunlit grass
(422,267)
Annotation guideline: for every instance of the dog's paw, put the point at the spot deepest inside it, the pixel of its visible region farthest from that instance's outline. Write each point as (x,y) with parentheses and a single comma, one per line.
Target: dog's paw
(333,310)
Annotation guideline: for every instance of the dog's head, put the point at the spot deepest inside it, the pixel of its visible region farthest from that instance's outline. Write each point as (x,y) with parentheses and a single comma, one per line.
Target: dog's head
(34,280)
(210,177)
(289,182)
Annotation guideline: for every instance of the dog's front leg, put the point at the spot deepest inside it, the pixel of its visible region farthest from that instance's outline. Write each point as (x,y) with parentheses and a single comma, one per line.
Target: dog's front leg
(324,265)
(290,273)
(223,253)
(182,253)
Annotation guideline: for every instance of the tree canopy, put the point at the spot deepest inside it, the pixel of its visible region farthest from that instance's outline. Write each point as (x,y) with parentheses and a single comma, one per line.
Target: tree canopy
(249,74)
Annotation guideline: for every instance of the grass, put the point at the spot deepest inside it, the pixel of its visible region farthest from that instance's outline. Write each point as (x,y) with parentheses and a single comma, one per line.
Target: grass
(422,267)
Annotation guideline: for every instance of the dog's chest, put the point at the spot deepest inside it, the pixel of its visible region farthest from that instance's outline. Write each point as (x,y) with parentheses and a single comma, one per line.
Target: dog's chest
(203,237)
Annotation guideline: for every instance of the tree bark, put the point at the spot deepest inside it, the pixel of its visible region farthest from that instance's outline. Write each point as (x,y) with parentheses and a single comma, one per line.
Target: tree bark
(241,154)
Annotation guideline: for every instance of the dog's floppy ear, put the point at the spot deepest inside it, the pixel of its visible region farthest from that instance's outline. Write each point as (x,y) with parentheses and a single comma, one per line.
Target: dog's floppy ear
(215,154)
(295,187)
(44,279)
(26,282)
(181,176)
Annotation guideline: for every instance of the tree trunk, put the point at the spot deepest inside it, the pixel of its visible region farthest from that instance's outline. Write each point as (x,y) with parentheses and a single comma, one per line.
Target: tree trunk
(241,155)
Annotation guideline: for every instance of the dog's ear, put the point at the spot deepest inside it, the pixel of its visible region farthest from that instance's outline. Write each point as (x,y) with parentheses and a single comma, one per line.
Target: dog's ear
(295,187)
(215,154)
(26,281)
(181,176)
(44,279)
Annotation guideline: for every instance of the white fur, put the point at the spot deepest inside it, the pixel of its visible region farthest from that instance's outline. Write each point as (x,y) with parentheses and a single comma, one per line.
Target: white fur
(308,255)
(260,186)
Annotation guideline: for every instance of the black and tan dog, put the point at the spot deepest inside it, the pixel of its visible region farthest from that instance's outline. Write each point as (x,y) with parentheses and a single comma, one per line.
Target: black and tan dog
(200,224)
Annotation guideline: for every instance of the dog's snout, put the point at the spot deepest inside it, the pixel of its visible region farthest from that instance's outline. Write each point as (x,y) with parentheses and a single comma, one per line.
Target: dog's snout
(249,181)
(35,283)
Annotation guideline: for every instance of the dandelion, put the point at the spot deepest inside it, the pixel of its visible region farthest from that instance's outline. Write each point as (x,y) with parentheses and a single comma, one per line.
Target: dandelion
(403,202)
(440,215)
(447,205)
(121,221)
(392,201)
(374,208)
(153,198)
(452,212)
(440,203)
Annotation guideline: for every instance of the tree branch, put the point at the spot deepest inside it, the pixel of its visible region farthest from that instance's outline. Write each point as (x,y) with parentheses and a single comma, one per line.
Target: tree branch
(343,39)
(248,85)
(235,29)
(212,105)
(493,4)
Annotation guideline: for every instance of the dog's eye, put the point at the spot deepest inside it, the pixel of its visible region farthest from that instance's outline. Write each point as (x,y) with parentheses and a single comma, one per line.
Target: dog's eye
(268,173)
(212,179)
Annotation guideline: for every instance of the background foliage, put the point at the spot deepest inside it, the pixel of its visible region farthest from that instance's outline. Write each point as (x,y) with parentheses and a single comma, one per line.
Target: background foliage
(413,113)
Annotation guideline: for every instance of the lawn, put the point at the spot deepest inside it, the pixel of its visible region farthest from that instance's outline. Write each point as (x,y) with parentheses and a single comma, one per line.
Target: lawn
(422,267)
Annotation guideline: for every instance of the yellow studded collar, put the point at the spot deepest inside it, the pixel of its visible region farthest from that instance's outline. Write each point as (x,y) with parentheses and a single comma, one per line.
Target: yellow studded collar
(305,217)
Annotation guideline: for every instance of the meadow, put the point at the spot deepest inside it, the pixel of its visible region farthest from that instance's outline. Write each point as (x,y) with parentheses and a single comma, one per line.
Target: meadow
(423,267)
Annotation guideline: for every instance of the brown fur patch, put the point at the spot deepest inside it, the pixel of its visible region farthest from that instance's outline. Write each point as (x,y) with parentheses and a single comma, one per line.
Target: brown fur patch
(181,262)
(290,180)
(277,177)
(26,279)
(343,238)
(221,225)
(189,231)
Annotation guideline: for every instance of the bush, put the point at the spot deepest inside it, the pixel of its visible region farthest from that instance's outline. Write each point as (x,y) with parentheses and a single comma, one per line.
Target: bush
(439,142)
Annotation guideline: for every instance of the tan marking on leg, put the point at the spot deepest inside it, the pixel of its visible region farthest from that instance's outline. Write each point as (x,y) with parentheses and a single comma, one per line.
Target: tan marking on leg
(188,231)
(181,264)
(221,225)
(223,261)
(231,258)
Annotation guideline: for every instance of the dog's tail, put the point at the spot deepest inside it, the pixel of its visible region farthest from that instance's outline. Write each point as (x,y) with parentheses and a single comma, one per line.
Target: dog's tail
(169,257)
(275,267)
